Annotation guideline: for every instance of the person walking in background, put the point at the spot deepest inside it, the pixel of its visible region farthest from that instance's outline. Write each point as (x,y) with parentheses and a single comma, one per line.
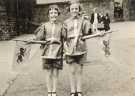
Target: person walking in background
(75,48)
(84,15)
(101,22)
(95,20)
(51,32)
(106,22)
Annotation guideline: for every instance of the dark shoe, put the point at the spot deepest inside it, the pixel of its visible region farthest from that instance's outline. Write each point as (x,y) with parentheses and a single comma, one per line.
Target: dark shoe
(73,94)
(79,94)
(54,94)
(49,93)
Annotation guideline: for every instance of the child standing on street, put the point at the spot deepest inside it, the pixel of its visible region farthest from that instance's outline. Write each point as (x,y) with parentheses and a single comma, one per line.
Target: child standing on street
(51,31)
(106,22)
(75,47)
(95,20)
(106,39)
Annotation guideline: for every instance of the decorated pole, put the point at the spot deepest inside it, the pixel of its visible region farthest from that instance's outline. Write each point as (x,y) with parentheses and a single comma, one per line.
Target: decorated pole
(96,35)
(83,38)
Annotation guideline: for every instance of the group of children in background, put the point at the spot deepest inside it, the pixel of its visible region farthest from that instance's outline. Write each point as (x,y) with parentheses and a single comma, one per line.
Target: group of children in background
(101,22)
(66,38)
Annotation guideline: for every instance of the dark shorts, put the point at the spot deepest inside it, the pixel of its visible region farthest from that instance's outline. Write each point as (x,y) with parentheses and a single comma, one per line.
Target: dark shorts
(52,63)
(79,59)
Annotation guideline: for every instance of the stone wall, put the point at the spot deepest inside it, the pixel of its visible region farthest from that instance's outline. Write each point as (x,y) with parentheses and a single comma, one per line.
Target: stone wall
(4,34)
(41,15)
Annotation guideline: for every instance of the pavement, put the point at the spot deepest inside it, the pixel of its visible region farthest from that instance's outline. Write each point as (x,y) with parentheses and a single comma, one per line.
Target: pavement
(103,76)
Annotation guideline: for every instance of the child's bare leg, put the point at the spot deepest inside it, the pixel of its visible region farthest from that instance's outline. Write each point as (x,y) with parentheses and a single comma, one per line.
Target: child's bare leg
(72,77)
(106,44)
(49,80)
(55,79)
(79,78)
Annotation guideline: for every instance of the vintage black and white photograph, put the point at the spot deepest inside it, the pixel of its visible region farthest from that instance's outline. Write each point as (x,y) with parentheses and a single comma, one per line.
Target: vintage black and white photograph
(67,47)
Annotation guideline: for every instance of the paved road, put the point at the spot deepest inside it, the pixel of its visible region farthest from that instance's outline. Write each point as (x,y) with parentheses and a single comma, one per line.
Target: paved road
(113,76)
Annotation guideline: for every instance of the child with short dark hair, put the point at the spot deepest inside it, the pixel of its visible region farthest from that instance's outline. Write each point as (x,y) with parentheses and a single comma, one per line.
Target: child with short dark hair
(51,31)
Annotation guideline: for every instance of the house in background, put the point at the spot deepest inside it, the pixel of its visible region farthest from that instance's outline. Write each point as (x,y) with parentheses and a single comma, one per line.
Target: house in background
(125,10)
(117,9)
